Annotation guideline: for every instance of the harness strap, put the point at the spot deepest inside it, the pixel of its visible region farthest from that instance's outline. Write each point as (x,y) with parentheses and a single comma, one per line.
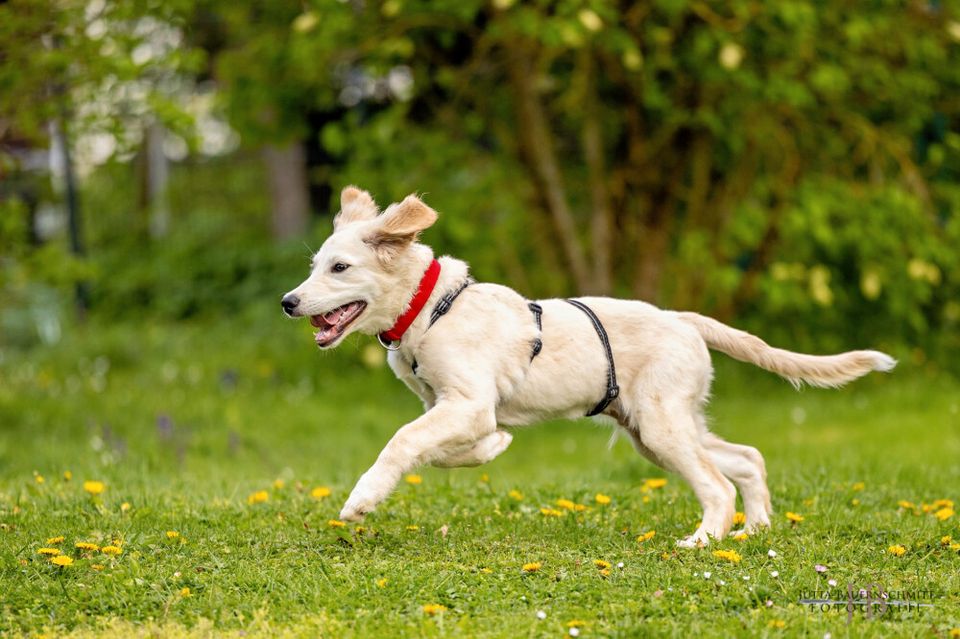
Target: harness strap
(441,309)
(447,301)
(613,391)
(537,311)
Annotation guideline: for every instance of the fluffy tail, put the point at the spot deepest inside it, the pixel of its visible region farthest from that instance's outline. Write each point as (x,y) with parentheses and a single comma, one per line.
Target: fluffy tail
(816,370)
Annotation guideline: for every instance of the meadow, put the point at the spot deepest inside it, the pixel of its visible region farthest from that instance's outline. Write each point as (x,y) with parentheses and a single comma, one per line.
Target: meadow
(201,467)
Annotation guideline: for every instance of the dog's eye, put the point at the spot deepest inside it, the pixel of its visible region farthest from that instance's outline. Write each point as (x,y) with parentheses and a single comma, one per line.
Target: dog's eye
(339,267)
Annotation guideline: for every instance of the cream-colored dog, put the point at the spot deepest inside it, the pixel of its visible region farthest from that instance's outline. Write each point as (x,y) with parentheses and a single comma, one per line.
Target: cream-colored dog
(475,369)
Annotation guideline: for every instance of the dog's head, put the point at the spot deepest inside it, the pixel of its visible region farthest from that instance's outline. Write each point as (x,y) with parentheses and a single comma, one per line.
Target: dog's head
(366,271)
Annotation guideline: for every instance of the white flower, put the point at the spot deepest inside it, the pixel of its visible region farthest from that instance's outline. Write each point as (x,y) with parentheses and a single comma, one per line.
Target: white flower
(723,583)
(574,632)
(774,573)
(746,577)
(706,574)
(832,582)
(541,615)
(771,553)
(620,565)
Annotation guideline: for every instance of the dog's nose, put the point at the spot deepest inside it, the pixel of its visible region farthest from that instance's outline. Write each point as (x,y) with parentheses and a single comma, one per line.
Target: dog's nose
(289,303)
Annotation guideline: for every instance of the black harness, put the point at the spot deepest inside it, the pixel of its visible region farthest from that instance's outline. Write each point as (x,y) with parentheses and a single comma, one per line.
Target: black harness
(613,391)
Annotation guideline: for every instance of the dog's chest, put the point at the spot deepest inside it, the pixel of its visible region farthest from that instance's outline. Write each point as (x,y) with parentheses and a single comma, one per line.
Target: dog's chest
(406,368)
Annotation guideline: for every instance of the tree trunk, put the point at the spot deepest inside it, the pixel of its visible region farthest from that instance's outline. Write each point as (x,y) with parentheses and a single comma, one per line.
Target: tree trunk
(289,189)
(157,175)
(601,219)
(539,153)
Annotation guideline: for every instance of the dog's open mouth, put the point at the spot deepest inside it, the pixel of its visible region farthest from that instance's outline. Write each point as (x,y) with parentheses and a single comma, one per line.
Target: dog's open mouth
(333,324)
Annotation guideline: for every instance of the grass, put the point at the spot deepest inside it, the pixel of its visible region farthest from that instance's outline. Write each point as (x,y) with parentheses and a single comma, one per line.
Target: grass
(185,423)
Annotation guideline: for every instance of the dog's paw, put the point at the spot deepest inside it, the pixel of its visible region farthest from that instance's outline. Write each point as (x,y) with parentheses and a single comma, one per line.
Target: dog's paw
(354,512)
(698,539)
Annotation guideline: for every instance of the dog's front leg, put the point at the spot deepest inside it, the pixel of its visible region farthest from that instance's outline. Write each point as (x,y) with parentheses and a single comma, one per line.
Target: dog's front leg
(450,425)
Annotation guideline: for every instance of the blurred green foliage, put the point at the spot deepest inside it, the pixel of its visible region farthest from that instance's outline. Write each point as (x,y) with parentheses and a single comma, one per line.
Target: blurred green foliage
(790,167)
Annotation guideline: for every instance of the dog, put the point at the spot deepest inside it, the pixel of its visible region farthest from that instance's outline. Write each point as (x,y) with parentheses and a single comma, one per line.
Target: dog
(483,358)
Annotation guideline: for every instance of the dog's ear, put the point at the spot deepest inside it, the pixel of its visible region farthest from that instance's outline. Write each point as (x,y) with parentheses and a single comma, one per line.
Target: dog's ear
(356,205)
(400,225)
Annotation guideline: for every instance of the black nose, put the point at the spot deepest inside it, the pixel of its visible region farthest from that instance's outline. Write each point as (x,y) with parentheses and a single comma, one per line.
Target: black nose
(289,303)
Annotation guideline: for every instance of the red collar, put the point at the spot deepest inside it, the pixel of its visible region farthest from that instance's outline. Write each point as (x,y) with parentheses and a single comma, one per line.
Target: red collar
(427,283)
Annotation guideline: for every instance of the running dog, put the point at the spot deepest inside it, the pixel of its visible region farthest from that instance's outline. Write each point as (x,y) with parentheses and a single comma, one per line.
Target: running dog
(483,358)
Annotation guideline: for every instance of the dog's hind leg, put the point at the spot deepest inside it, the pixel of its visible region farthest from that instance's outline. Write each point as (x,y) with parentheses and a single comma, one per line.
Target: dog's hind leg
(670,436)
(480,453)
(744,466)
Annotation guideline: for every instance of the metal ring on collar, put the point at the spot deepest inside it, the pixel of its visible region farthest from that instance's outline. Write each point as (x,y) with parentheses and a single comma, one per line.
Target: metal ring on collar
(388,345)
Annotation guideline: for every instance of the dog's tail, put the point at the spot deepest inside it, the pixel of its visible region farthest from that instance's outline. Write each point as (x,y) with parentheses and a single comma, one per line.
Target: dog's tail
(816,370)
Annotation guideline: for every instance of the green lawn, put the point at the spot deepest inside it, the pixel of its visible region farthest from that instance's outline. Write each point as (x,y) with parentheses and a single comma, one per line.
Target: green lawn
(184,423)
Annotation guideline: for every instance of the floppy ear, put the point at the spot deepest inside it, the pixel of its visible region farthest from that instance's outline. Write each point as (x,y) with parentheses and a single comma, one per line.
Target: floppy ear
(400,225)
(356,205)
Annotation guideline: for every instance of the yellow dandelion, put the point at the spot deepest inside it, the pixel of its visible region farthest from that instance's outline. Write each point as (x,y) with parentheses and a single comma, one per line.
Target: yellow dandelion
(605,572)
(908,505)
(532,567)
(258,497)
(433,609)
(601,499)
(61,560)
(67,475)
(955,633)
(551,512)
(125,506)
(320,492)
(111,550)
(576,623)
(94,487)
(794,517)
(97,567)
(741,537)
(897,550)
(944,513)
(646,499)
(728,555)
(86,545)
(172,534)
(647,536)
(48,551)
(854,502)
(777,623)
(925,507)
(484,478)
(580,507)
(954,546)
(55,540)
(600,563)
(566,504)
(278,484)
(857,486)
(335,523)
(739,519)
(664,556)
(382,583)
(943,503)
(413,528)
(653,483)
(37,477)
(414,480)
(945,540)
(515,494)
(185,592)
